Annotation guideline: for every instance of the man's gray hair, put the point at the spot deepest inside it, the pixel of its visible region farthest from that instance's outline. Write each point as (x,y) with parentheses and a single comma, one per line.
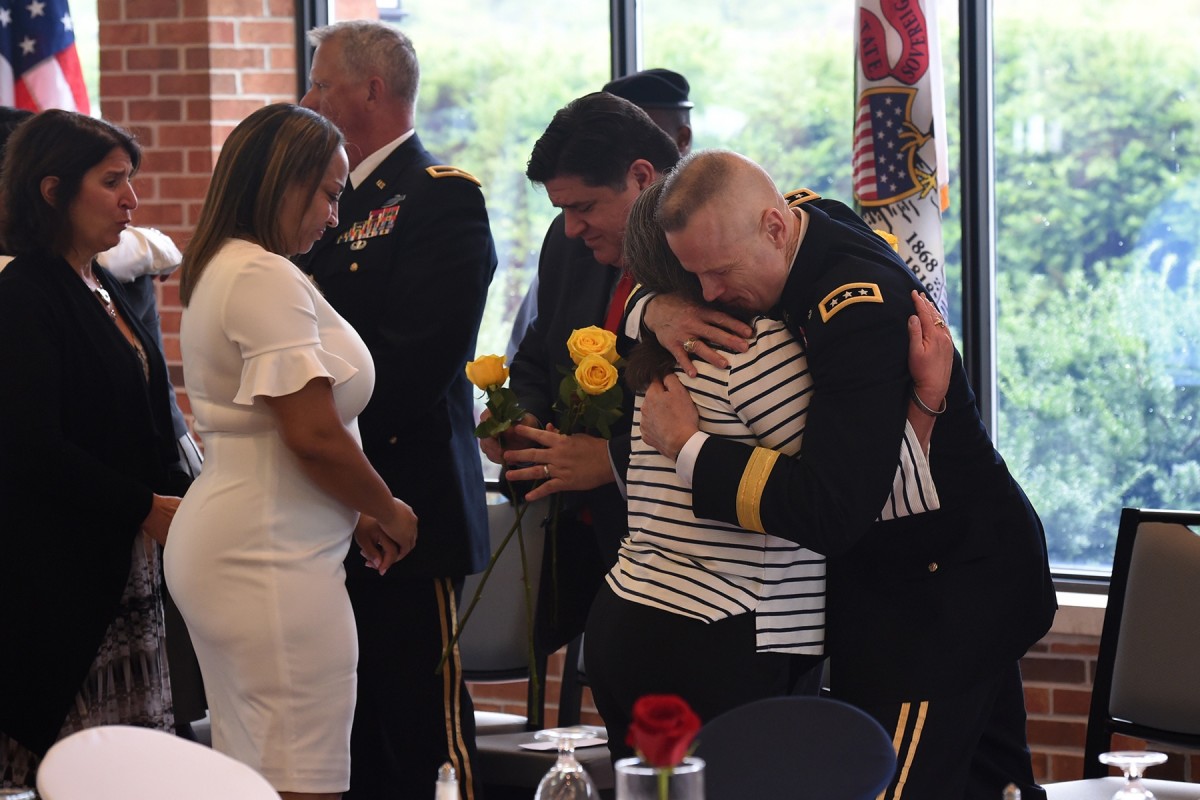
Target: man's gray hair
(370,47)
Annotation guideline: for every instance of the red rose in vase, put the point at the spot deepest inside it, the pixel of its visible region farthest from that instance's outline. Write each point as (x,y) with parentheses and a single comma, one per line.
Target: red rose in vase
(662,730)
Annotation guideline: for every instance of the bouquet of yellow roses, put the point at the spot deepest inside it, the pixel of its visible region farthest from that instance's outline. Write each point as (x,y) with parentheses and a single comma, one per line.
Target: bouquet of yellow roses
(589,397)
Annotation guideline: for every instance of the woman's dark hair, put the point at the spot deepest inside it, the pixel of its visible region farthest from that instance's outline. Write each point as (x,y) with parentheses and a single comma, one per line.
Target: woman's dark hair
(649,259)
(272,150)
(59,144)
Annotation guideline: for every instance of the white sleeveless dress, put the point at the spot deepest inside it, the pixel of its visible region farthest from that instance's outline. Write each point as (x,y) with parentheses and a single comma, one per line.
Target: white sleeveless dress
(254,555)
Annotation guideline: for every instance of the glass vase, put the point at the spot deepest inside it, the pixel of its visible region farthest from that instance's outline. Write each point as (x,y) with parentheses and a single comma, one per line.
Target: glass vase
(639,781)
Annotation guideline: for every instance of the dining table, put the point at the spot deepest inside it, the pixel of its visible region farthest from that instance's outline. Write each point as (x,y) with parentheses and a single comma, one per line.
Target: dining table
(1105,788)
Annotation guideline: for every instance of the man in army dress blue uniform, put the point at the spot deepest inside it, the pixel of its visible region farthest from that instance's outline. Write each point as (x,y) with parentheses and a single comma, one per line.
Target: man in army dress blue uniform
(928,614)
(408,266)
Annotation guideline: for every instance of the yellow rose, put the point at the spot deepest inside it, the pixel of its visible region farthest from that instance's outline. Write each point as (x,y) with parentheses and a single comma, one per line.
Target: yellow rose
(592,341)
(595,375)
(890,239)
(487,371)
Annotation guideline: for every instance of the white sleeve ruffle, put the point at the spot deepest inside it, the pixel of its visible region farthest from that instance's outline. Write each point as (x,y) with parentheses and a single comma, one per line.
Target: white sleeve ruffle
(277,373)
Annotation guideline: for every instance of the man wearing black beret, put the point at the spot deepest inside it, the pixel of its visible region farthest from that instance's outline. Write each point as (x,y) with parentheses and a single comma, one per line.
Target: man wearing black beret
(663,95)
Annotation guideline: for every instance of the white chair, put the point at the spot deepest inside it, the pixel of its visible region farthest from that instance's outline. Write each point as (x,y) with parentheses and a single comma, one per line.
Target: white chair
(120,762)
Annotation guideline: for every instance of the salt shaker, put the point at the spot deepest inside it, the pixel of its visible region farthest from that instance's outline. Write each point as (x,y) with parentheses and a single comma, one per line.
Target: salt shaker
(447,783)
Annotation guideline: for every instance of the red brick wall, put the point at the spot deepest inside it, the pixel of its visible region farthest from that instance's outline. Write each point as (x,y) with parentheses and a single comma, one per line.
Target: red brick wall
(180,74)
(1058,675)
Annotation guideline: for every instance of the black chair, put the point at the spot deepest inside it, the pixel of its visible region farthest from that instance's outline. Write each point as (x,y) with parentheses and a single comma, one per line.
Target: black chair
(795,747)
(1149,657)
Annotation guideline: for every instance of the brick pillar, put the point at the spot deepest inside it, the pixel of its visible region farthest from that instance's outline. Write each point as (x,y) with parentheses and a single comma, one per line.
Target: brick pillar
(180,74)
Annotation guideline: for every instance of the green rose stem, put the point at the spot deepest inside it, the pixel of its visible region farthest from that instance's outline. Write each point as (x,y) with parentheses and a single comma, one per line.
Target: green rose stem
(664,782)
(533,676)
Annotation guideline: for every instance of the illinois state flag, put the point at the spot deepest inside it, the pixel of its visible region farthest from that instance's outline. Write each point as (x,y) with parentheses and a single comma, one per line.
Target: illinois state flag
(901,167)
(39,66)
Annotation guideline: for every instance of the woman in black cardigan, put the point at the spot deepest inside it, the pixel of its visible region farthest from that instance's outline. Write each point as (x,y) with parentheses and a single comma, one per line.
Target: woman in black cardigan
(87,489)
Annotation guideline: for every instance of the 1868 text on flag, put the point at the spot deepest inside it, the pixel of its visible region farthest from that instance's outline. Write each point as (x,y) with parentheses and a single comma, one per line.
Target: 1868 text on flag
(900,169)
(39,66)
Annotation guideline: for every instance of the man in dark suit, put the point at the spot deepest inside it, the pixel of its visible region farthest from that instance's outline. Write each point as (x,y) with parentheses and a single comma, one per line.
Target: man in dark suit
(928,614)
(596,156)
(408,266)
(663,95)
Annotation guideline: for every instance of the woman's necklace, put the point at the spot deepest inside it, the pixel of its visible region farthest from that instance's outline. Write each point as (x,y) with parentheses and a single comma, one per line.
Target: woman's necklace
(101,294)
(105,299)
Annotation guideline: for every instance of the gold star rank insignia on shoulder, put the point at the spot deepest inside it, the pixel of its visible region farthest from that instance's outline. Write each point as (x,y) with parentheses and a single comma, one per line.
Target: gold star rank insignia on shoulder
(800,196)
(848,295)
(447,171)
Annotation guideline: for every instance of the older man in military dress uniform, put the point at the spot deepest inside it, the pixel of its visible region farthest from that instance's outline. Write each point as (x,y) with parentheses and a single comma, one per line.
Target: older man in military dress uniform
(408,266)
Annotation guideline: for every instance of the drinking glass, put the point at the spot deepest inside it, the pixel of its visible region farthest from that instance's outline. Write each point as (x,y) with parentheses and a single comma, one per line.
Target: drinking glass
(1133,763)
(567,779)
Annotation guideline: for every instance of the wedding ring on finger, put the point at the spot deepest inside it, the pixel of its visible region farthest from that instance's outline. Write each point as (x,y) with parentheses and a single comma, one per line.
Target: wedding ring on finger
(546,470)
(690,345)
(941,323)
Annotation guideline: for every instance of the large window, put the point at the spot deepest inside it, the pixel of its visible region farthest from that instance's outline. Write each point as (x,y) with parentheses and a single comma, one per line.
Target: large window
(1097,131)
(1096,183)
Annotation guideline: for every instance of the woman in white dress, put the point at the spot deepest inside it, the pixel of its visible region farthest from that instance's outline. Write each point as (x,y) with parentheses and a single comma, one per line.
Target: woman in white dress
(276,380)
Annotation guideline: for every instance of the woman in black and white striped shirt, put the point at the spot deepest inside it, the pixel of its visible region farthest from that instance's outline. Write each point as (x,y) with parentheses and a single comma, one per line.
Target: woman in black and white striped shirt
(714,613)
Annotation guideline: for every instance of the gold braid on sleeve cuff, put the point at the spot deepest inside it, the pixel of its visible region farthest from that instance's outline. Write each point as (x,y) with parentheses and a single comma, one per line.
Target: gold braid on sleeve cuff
(750,488)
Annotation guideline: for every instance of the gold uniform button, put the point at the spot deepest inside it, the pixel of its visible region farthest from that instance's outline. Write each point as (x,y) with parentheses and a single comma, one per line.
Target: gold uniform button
(354,267)
(393,440)
(933,566)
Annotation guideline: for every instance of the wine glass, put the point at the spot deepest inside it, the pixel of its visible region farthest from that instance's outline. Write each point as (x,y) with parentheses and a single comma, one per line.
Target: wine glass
(567,779)
(1133,763)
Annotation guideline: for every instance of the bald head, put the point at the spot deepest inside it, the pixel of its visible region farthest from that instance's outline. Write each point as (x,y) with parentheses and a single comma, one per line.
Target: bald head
(730,226)
(721,177)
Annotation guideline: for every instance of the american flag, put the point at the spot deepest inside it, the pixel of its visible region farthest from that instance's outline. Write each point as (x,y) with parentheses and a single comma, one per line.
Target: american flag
(883,159)
(39,66)
(900,168)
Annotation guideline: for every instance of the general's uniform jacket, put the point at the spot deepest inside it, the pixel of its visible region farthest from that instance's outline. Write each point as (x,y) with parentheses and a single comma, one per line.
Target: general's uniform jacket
(919,606)
(409,265)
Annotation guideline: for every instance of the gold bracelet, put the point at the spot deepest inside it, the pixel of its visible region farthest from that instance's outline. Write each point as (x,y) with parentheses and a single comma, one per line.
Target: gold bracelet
(926,409)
